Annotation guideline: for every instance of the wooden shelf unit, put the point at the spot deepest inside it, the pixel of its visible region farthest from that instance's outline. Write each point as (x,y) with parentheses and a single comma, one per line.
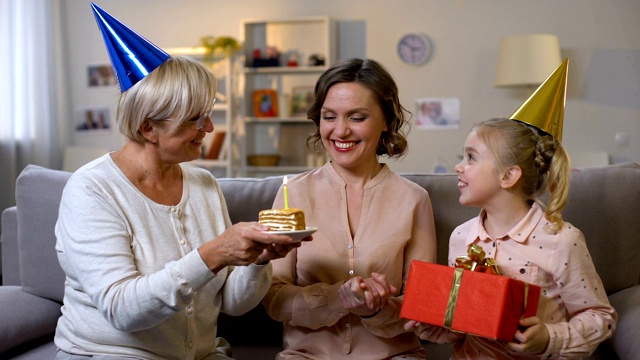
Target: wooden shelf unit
(283,134)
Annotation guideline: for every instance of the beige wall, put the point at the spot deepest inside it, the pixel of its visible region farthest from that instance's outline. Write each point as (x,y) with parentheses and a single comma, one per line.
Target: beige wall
(466,36)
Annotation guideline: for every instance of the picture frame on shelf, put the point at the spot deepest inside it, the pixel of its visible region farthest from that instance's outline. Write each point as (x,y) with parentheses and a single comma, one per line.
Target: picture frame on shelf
(301,99)
(265,103)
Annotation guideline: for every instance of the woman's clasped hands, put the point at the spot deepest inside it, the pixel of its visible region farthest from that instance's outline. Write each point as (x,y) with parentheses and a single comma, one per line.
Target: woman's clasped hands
(365,297)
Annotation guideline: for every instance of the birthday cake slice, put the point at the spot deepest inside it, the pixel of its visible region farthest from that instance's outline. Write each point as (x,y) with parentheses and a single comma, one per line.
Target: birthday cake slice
(282,219)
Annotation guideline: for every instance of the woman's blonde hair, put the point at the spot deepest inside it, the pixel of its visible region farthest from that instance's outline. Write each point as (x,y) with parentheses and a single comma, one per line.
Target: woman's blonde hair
(544,163)
(178,90)
(372,75)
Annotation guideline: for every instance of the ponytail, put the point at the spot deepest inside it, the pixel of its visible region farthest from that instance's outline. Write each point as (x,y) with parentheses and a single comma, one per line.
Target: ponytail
(558,171)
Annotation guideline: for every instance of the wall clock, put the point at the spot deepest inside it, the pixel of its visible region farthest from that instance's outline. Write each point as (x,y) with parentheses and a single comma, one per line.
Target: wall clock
(415,48)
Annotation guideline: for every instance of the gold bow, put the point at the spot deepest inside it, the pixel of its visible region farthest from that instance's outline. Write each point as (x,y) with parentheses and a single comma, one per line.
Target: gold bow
(475,261)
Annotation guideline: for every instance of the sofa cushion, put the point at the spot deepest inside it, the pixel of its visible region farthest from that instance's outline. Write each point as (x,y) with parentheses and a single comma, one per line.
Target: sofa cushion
(447,210)
(39,349)
(604,202)
(38,193)
(245,197)
(625,338)
(25,317)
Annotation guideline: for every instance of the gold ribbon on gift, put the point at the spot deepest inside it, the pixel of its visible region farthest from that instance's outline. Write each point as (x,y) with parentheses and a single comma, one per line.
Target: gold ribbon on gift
(453,297)
(475,260)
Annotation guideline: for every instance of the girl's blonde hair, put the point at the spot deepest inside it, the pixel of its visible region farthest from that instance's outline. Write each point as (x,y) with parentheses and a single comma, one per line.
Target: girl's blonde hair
(544,163)
(179,89)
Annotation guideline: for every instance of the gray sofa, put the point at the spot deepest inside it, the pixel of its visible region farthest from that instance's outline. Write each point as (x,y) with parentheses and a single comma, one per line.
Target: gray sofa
(603,202)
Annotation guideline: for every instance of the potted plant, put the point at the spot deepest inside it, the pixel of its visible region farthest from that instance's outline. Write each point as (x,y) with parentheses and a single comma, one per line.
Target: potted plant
(218,48)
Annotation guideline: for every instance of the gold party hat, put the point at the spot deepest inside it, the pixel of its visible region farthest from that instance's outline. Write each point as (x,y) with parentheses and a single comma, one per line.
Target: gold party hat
(545,107)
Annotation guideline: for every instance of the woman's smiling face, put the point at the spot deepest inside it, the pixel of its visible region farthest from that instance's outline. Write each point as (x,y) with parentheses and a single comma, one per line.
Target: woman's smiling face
(351,122)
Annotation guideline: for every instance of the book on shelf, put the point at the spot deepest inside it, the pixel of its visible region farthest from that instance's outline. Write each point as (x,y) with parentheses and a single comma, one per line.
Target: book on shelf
(224,151)
(216,145)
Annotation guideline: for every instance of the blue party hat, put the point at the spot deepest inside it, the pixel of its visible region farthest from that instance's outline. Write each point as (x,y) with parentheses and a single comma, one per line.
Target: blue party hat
(132,56)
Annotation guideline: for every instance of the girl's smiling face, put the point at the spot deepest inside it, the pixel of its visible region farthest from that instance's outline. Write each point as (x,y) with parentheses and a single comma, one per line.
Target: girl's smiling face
(478,173)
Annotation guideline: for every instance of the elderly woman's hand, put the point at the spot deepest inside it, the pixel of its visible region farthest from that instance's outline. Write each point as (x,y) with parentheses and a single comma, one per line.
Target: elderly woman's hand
(277,251)
(244,244)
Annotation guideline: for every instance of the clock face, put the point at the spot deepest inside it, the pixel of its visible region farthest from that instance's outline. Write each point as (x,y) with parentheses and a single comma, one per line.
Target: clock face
(414,48)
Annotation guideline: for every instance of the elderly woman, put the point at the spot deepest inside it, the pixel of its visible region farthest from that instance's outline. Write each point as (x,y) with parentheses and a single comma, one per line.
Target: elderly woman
(145,240)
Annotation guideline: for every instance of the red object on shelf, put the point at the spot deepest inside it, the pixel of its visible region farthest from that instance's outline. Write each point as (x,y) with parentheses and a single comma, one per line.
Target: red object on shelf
(487,305)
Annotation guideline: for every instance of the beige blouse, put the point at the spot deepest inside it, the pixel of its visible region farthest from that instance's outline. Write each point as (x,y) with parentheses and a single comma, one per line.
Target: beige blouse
(396,226)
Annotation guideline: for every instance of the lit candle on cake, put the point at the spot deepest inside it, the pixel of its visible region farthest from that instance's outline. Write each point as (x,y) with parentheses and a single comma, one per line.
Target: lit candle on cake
(286,195)
(284,219)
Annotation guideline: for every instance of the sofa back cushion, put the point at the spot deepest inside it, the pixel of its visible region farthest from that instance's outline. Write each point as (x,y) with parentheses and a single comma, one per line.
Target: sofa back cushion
(604,202)
(447,211)
(245,197)
(38,193)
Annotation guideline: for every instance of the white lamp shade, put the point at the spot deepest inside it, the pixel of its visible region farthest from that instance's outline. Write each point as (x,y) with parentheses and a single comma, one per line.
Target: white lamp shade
(527,59)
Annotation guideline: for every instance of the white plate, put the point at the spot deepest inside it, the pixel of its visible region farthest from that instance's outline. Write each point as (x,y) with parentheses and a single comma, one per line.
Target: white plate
(297,235)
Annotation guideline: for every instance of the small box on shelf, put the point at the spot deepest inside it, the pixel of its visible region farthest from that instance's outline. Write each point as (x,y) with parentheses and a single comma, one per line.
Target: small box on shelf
(263,160)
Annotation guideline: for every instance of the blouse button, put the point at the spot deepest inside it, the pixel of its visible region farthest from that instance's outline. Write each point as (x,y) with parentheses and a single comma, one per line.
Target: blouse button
(522,271)
(348,325)
(351,272)
(350,246)
(182,242)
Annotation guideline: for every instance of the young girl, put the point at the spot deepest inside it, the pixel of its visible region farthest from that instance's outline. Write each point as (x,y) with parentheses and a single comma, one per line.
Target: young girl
(506,166)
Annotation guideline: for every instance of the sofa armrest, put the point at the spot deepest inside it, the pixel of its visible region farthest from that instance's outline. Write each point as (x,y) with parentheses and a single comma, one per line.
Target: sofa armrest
(25,317)
(10,254)
(625,339)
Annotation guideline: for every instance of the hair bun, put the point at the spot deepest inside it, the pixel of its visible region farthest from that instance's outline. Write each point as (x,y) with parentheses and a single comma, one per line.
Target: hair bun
(545,149)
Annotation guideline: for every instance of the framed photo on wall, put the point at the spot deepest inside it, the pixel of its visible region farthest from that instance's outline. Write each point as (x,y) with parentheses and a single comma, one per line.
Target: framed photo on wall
(92,119)
(438,113)
(301,99)
(265,103)
(101,75)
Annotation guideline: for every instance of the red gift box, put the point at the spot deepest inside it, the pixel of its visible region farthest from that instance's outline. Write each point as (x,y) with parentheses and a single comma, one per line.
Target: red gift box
(486,305)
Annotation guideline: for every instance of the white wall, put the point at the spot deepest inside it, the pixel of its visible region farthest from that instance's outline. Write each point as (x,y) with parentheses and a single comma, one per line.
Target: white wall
(466,36)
